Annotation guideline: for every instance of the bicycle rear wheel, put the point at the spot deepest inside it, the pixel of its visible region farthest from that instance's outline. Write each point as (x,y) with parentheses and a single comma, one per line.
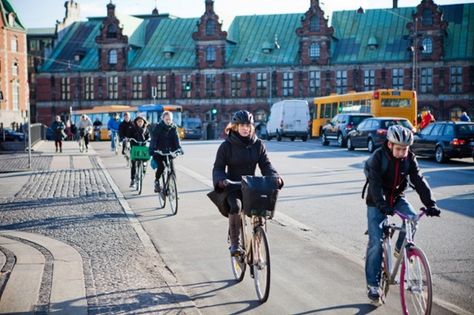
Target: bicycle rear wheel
(172,193)
(161,194)
(238,262)
(261,264)
(416,289)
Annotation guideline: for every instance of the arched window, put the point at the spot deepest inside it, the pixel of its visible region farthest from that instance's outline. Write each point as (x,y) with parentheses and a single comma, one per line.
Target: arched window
(211,54)
(112,57)
(314,51)
(111,31)
(314,24)
(427,17)
(210,27)
(427,44)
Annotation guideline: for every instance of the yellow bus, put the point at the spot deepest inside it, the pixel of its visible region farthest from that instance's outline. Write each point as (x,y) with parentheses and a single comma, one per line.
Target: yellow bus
(382,102)
(102,114)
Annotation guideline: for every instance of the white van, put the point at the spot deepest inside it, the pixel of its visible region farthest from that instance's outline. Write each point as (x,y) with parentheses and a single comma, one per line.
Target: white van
(289,118)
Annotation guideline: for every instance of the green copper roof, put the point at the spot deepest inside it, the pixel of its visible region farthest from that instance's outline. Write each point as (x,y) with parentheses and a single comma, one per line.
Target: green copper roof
(169,35)
(459,43)
(7,8)
(251,36)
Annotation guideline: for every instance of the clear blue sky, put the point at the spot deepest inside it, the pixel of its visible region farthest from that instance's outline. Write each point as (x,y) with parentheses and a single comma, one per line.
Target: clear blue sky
(44,13)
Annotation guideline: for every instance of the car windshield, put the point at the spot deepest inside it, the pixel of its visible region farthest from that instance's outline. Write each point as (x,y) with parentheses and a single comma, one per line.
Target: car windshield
(465,130)
(192,124)
(401,122)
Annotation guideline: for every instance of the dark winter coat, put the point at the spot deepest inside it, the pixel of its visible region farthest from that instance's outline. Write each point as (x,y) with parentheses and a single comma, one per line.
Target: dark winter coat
(125,129)
(58,128)
(140,134)
(238,156)
(387,185)
(164,138)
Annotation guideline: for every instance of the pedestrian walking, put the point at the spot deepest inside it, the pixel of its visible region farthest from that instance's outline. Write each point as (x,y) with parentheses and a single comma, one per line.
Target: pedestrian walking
(465,117)
(59,135)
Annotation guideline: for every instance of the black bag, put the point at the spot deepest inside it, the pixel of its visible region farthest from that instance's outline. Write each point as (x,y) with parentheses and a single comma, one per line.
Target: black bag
(220,200)
(259,194)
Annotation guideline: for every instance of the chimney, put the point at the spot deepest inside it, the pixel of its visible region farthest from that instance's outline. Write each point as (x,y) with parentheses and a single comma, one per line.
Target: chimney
(395,4)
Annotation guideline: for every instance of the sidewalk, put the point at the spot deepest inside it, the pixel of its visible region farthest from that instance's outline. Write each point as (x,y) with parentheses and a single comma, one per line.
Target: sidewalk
(69,245)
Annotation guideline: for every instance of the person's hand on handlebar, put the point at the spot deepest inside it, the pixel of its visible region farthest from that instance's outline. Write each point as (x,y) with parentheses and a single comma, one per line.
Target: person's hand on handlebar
(433,211)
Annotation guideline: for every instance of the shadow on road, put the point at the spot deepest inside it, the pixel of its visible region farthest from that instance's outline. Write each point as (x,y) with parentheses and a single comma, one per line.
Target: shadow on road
(362,309)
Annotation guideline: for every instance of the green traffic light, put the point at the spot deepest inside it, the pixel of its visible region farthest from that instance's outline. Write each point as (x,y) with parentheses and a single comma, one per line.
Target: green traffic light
(214,111)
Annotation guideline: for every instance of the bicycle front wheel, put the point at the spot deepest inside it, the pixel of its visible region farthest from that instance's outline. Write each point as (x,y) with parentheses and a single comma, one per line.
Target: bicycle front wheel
(161,194)
(173,194)
(385,272)
(238,262)
(416,289)
(139,171)
(261,264)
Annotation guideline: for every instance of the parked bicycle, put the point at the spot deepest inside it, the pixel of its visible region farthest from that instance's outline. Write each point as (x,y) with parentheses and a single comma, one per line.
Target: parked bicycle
(416,290)
(255,249)
(140,154)
(168,182)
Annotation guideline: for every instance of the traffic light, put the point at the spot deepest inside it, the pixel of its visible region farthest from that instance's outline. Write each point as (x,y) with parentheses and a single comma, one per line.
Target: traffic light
(213,113)
(187,86)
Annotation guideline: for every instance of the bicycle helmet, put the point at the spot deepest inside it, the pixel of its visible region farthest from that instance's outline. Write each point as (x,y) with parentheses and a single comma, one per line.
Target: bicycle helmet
(242,117)
(399,135)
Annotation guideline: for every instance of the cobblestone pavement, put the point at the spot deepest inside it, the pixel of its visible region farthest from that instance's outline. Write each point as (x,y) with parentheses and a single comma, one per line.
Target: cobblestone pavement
(79,207)
(13,162)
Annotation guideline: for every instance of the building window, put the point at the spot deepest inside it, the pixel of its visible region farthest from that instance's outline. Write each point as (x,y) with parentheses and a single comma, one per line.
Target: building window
(65,89)
(262,84)
(161,86)
(112,89)
(15,68)
(137,87)
(112,31)
(455,113)
(210,28)
(235,84)
(14,44)
(427,17)
(369,80)
(211,54)
(397,79)
(288,84)
(314,51)
(186,86)
(427,44)
(16,95)
(426,84)
(314,83)
(89,88)
(341,82)
(112,57)
(455,81)
(314,24)
(210,85)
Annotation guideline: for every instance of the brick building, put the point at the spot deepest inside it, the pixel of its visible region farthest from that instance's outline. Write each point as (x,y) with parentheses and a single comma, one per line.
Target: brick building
(156,58)
(13,67)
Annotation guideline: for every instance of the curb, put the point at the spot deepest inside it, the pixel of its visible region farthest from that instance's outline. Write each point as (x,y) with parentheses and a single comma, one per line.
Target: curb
(189,306)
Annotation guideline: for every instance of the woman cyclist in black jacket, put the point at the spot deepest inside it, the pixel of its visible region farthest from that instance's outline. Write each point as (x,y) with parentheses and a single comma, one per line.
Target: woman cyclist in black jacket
(238,156)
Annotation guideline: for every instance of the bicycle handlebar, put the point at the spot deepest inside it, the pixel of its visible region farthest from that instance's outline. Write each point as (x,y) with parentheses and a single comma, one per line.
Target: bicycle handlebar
(172,154)
(231,182)
(408,217)
(138,142)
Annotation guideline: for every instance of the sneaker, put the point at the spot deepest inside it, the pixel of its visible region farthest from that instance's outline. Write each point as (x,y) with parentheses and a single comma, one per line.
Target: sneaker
(235,250)
(157,186)
(374,295)
(132,183)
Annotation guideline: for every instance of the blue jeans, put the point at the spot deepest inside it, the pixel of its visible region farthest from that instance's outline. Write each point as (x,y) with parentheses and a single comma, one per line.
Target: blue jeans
(373,259)
(113,134)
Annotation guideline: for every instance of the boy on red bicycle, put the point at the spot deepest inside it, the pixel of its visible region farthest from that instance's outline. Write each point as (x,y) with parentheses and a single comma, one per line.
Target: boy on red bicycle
(388,171)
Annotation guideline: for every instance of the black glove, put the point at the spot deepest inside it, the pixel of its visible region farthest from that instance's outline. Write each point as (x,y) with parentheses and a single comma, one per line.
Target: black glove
(387,210)
(221,184)
(433,211)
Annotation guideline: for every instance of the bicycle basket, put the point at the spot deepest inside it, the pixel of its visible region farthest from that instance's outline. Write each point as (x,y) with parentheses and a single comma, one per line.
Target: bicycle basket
(139,152)
(259,194)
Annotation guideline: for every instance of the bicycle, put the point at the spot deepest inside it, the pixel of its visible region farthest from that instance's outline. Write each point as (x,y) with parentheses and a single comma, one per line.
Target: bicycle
(117,143)
(416,292)
(82,142)
(255,249)
(140,154)
(168,182)
(126,150)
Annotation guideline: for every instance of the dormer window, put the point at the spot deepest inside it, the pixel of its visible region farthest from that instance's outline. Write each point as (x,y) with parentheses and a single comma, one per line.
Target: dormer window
(211,54)
(314,24)
(267,47)
(112,31)
(169,51)
(372,43)
(314,51)
(427,17)
(210,28)
(427,45)
(11,19)
(112,57)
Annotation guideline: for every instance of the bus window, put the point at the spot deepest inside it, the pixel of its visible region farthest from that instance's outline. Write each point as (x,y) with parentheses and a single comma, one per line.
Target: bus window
(398,102)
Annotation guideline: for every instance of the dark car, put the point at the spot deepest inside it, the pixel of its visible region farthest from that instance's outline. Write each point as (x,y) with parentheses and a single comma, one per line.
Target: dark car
(10,135)
(372,132)
(445,140)
(338,128)
(192,128)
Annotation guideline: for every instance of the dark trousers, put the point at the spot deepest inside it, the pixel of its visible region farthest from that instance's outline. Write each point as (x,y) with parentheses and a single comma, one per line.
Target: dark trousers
(133,169)
(160,161)
(234,200)
(58,144)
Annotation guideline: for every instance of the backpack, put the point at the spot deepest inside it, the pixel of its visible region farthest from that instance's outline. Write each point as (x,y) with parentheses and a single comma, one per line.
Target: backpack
(366,171)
